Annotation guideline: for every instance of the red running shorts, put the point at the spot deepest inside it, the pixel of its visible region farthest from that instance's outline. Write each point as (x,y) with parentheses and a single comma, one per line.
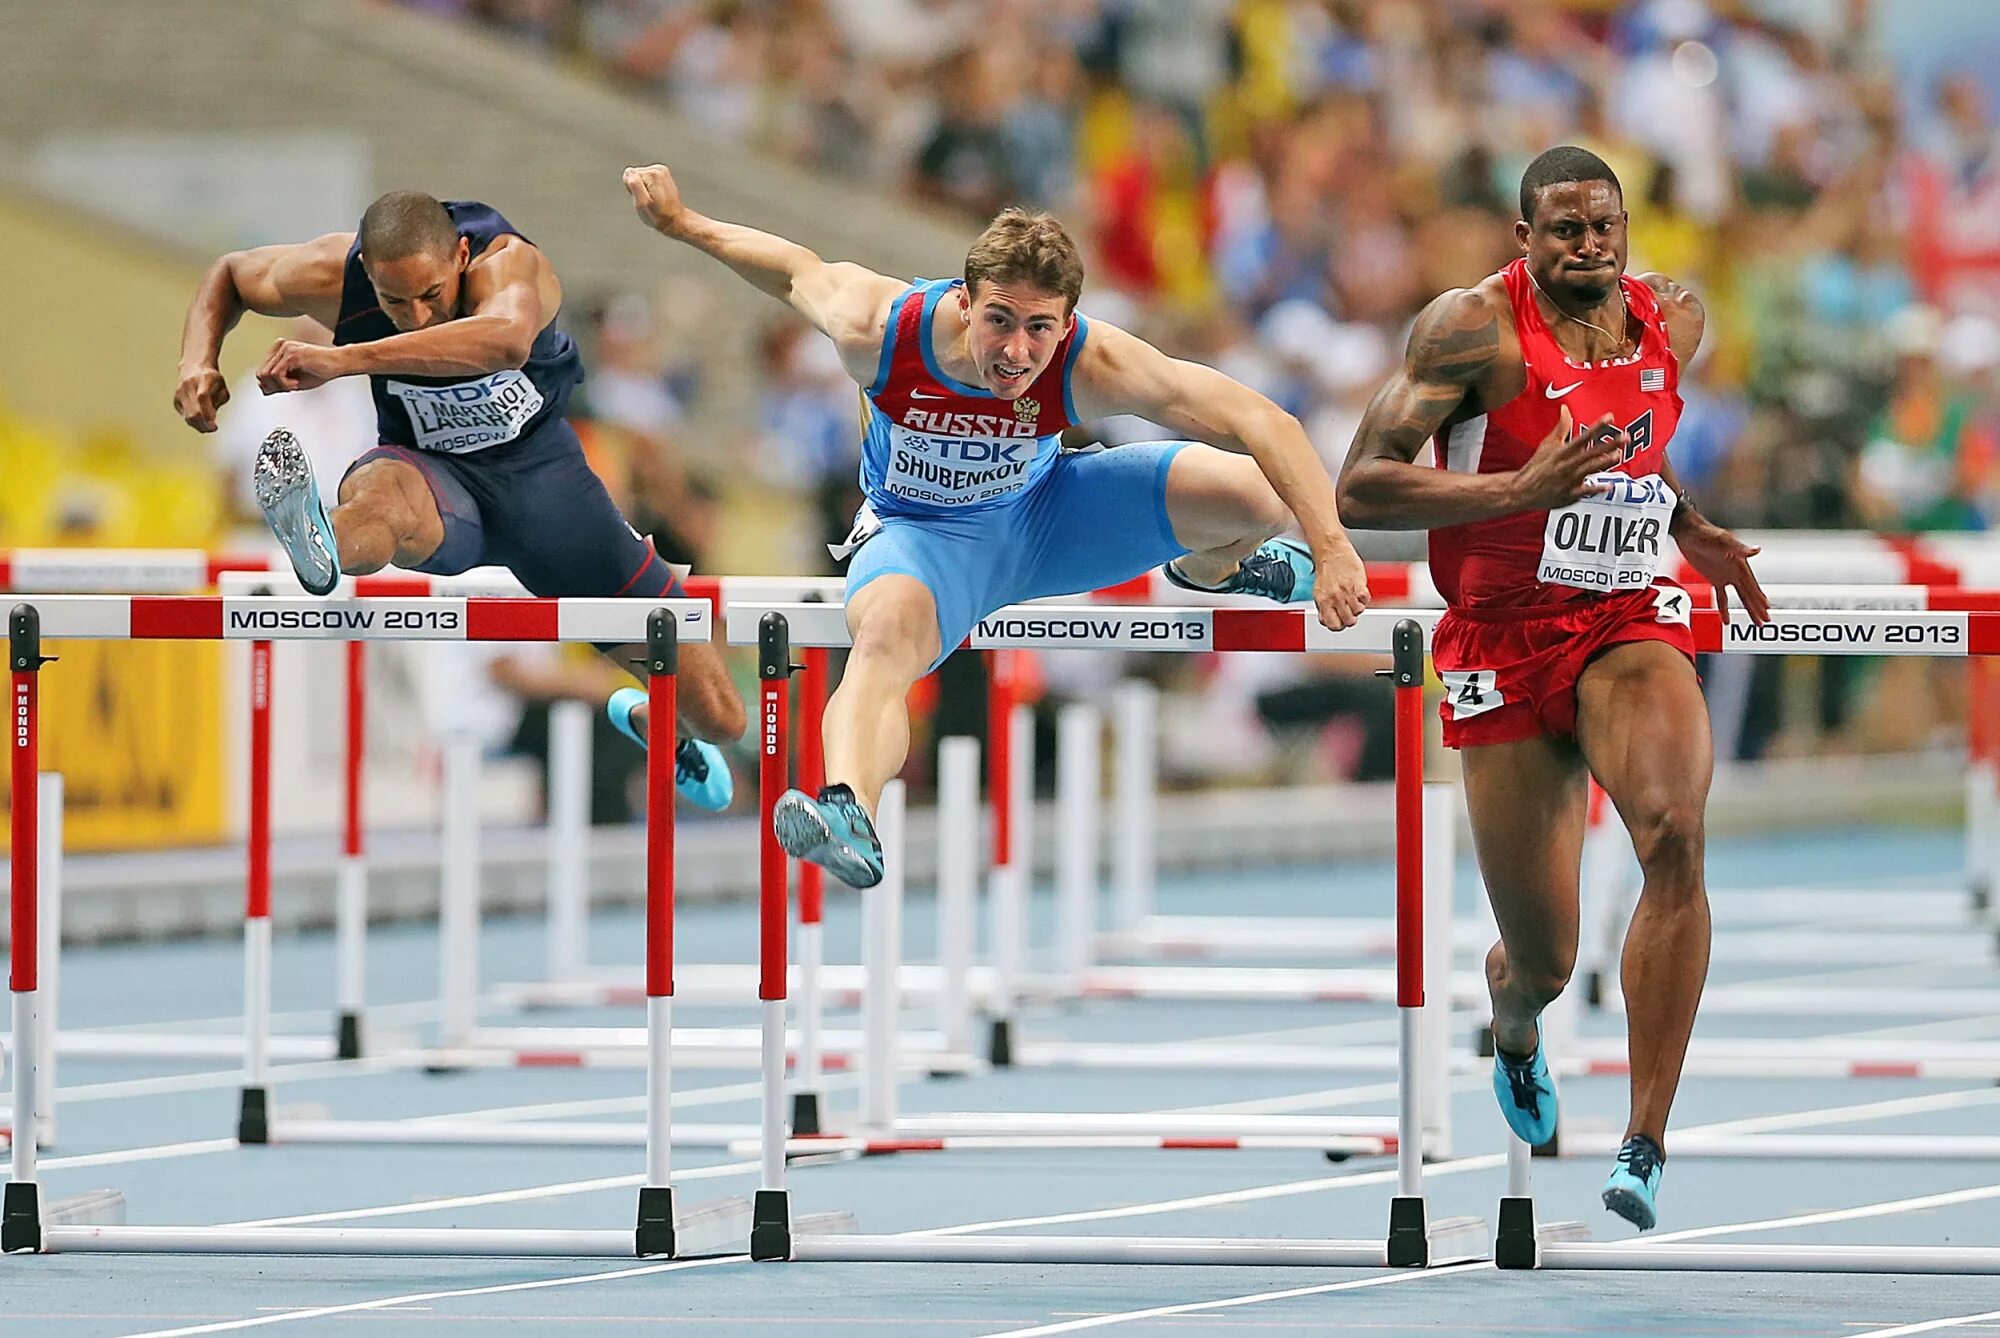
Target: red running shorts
(1510,674)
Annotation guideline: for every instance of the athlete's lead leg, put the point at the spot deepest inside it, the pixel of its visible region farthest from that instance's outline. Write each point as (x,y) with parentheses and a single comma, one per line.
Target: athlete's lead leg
(1644,729)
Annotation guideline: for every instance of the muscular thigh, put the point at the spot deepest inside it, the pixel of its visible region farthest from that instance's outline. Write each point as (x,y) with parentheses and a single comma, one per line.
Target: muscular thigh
(1643,726)
(896,615)
(392,486)
(952,568)
(1099,518)
(552,521)
(1215,498)
(1527,802)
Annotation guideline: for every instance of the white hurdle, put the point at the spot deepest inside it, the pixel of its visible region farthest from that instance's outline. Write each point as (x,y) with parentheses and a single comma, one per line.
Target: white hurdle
(659,1230)
(1411,1239)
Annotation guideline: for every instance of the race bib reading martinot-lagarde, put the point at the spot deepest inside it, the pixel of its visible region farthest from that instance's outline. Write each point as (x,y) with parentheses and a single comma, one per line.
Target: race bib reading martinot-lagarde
(470,415)
(1611,541)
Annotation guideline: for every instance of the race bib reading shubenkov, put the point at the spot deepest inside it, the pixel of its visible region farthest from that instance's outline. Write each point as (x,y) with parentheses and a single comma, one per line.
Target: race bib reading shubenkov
(1612,541)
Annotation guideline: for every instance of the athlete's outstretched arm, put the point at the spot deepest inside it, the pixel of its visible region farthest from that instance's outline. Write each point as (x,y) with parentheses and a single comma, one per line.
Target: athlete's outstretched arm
(1454,346)
(510,294)
(1119,373)
(847,302)
(297,280)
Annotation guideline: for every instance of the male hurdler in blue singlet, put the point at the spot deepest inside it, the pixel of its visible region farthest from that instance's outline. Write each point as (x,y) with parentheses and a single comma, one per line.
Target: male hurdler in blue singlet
(972,505)
(450,314)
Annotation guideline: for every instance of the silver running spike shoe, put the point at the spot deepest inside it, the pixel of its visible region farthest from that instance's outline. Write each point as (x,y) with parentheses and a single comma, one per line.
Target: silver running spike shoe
(289,498)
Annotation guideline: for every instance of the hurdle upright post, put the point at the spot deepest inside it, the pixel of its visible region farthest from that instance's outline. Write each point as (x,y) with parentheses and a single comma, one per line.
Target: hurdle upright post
(771,1213)
(569,839)
(882,957)
(1136,712)
(1079,731)
(807,1087)
(351,876)
(957,887)
(1409,1228)
(253,1121)
(655,1233)
(20,1206)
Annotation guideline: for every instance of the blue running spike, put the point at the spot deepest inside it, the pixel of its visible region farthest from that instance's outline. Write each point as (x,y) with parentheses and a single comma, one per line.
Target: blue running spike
(1527,1095)
(290,501)
(701,772)
(1279,569)
(832,831)
(1635,1182)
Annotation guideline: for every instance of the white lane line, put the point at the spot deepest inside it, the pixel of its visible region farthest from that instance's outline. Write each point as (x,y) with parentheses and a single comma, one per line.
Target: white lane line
(1886,1208)
(416,1298)
(556,1191)
(1228,1303)
(195,1082)
(1279,1191)
(615,1105)
(159,1152)
(1325,1099)
(1868,1110)
(1929,1325)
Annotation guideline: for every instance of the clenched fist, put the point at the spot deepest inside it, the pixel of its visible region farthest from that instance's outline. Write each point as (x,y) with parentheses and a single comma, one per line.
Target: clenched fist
(656,196)
(201,392)
(292,365)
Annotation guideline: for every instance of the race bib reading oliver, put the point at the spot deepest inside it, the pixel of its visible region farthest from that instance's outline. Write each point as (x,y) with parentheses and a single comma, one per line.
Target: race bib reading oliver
(470,415)
(1612,541)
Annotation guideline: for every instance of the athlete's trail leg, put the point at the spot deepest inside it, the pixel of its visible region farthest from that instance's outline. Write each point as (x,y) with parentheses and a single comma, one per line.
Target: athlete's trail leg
(1644,730)
(1221,507)
(1527,803)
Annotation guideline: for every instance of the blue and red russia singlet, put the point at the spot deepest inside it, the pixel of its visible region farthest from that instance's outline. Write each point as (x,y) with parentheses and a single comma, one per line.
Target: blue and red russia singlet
(934,445)
(1533,597)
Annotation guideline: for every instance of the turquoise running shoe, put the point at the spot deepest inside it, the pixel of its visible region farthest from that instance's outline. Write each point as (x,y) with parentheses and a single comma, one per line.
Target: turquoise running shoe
(1279,569)
(832,831)
(1635,1181)
(1527,1095)
(701,772)
(289,499)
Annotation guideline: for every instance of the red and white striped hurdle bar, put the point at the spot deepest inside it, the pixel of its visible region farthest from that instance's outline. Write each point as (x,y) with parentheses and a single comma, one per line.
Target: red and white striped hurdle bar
(23,1225)
(280,618)
(1787,557)
(1939,635)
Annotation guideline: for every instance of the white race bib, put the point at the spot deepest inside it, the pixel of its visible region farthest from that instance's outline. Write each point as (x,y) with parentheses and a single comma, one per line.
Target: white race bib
(956,471)
(1612,541)
(470,415)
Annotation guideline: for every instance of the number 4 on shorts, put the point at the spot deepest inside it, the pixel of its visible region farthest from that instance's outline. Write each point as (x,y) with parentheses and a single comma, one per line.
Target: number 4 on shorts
(1671,605)
(1470,692)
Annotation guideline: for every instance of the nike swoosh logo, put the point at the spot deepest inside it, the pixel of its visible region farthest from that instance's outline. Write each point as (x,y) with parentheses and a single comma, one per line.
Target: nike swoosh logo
(1555,394)
(923,395)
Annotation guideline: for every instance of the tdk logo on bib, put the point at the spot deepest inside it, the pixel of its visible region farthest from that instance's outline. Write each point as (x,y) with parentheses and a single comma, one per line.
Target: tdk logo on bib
(470,415)
(991,459)
(1610,541)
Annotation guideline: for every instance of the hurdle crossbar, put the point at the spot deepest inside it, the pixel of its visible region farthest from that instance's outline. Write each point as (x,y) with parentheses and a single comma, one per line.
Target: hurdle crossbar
(660,1228)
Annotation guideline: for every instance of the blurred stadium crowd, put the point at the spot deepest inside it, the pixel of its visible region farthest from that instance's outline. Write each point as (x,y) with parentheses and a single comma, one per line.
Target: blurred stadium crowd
(1276,187)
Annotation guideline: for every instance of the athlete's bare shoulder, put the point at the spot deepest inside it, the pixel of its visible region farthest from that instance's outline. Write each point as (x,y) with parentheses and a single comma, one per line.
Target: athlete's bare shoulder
(1686,317)
(1465,340)
(854,305)
(513,276)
